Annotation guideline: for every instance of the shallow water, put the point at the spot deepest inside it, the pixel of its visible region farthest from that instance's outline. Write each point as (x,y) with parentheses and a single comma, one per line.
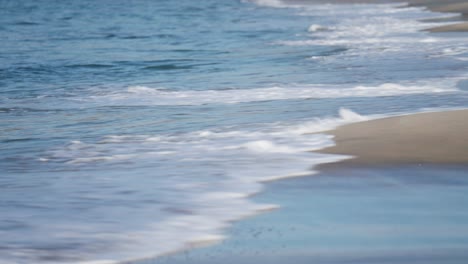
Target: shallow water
(130,130)
(394,214)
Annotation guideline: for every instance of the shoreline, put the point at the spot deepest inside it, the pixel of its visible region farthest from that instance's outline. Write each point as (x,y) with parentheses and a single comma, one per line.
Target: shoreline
(425,160)
(422,138)
(270,235)
(370,180)
(386,212)
(459,8)
(247,231)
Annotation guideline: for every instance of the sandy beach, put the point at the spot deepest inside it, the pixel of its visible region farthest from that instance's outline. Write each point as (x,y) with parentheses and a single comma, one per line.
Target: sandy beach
(439,138)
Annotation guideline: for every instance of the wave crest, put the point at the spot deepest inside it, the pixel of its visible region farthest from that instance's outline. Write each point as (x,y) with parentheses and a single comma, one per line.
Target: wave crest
(142,95)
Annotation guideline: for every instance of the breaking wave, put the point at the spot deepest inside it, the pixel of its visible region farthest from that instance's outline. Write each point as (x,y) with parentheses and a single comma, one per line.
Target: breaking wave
(142,95)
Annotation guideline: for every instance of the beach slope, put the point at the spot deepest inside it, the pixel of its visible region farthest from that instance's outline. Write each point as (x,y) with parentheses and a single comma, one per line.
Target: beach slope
(438,137)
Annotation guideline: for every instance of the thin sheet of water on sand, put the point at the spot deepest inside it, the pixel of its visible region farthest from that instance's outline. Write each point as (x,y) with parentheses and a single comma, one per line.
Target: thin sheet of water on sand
(405,214)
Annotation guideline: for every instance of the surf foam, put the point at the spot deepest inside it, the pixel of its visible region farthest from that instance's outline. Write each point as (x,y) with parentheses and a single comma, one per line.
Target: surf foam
(142,95)
(315,28)
(207,177)
(267,3)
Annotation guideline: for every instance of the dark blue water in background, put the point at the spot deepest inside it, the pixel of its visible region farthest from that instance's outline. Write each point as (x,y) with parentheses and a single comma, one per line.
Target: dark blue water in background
(129,129)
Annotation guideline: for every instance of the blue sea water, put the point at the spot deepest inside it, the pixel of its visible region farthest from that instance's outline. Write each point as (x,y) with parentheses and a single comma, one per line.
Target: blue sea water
(134,129)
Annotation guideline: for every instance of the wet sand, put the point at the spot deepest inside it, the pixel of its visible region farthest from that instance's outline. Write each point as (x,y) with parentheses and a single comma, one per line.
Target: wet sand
(398,214)
(437,138)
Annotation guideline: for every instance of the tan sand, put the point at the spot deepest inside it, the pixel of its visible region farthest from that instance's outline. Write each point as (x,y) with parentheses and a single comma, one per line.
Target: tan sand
(459,27)
(437,138)
(453,8)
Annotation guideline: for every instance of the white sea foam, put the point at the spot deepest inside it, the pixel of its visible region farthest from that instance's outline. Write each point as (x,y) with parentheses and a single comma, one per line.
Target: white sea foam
(267,146)
(269,3)
(315,28)
(369,28)
(207,176)
(141,95)
(458,51)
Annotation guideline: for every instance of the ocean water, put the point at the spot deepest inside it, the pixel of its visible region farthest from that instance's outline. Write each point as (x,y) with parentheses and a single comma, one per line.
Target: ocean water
(132,130)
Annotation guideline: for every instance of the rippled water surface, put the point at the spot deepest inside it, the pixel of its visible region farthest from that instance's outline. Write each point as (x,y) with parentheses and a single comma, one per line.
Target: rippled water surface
(130,129)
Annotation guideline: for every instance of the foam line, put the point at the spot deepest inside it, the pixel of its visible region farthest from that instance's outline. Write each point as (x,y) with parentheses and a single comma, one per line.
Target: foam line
(142,95)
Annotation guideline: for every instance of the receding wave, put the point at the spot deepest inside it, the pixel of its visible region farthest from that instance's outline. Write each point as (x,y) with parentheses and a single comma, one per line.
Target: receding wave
(233,160)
